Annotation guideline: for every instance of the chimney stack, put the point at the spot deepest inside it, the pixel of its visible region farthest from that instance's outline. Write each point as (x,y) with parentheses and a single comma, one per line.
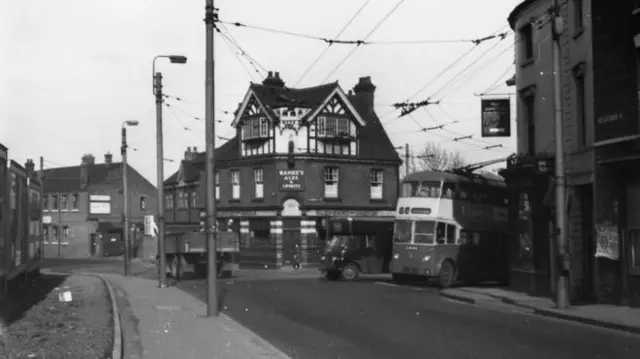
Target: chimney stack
(273,79)
(190,155)
(30,167)
(364,90)
(108,158)
(87,160)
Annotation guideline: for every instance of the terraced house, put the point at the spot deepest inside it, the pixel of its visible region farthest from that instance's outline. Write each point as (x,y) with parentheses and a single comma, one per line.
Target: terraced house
(299,157)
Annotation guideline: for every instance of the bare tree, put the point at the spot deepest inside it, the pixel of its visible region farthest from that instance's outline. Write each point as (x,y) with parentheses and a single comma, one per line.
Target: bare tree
(434,157)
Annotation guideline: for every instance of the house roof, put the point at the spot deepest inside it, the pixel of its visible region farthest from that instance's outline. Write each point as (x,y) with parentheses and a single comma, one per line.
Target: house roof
(188,172)
(191,169)
(67,179)
(374,143)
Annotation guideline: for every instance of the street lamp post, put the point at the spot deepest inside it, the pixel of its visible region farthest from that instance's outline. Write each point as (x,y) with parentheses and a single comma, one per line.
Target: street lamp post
(157,91)
(125,195)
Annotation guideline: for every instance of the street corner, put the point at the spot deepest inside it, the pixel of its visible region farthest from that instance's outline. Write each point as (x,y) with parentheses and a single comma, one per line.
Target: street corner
(72,315)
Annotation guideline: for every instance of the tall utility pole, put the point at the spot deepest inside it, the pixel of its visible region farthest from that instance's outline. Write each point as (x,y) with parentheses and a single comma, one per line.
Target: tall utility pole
(210,137)
(59,231)
(562,293)
(406,159)
(125,199)
(162,274)
(41,179)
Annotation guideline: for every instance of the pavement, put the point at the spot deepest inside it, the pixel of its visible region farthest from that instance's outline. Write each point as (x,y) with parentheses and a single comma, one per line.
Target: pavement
(298,314)
(608,316)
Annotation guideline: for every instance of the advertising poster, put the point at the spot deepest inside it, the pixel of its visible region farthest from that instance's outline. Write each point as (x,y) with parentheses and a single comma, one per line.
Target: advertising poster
(496,117)
(607,242)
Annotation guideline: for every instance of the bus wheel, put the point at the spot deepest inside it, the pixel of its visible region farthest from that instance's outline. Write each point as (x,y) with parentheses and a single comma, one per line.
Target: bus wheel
(447,275)
(350,272)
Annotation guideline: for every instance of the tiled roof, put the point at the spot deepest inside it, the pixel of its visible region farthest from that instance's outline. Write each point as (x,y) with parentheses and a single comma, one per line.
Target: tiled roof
(67,179)
(374,143)
(226,152)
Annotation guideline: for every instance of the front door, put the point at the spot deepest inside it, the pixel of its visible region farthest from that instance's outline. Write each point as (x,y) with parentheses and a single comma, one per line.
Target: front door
(290,237)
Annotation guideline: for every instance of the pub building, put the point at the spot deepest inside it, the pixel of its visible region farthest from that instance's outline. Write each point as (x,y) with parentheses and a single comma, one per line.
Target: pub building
(301,158)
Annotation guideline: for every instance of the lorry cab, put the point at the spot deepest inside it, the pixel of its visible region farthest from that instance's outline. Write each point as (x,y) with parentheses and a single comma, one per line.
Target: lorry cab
(357,247)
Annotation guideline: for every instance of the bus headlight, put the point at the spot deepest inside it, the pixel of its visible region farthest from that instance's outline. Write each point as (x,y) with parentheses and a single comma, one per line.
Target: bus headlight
(426,258)
(396,256)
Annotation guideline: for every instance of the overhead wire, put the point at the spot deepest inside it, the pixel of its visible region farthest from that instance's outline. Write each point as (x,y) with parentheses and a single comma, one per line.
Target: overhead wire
(326,49)
(227,42)
(233,41)
(363,40)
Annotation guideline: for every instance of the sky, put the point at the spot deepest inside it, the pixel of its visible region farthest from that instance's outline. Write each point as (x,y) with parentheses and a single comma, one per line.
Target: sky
(73,70)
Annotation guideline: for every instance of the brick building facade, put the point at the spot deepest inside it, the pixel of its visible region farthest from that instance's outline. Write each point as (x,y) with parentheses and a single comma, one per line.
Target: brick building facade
(83,207)
(600,101)
(299,157)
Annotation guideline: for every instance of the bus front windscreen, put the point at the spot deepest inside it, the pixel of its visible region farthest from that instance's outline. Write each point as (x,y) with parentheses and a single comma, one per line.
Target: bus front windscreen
(402,232)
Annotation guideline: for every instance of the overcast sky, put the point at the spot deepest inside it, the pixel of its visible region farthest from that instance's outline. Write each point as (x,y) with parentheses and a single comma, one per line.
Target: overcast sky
(73,70)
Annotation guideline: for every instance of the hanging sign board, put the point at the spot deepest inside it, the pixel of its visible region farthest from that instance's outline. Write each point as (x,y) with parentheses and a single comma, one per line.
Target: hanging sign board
(496,117)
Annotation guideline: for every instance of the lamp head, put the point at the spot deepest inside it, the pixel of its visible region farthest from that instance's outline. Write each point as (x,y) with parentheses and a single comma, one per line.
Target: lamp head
(178,59)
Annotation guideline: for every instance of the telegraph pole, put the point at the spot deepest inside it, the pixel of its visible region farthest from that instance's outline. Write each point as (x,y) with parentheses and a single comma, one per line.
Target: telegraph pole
(59,234)
(562,293)
(406,159)
(41,179)
(210,137)
(162,274)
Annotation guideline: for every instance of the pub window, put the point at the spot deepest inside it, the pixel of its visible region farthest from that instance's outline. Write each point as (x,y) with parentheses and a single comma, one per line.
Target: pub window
(526,42)
(74,201)
(63,201)
(332,126)
(255,128)
(55,234)
(580,105)
(217,180)
(258,180)
(143,203)
(376,184)
(578,16)
(235,184)
(331,181)
(194,198)
(46,202)
(55,201)
(45,233)
(529,114)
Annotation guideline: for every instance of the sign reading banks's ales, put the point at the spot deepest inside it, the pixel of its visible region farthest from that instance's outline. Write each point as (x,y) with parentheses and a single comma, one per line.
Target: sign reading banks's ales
(291,180)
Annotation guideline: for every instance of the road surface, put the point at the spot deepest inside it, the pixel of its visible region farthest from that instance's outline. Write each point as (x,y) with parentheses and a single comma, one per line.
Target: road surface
(311,318)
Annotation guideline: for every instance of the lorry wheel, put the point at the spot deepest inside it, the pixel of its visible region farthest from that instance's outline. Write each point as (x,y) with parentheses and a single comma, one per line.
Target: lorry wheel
(350,272)
(332,275)
(201,270)
(447,275)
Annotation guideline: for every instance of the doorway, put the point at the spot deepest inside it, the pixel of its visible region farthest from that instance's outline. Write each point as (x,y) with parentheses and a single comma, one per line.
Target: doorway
(290,237)
(585,193)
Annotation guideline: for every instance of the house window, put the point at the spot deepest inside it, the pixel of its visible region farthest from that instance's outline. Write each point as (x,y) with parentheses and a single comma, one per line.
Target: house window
(194,198)
(376,184)
(55,201)
(258,180)
(143,203)
(217,186)
(255,128)
(578,16)
(45,233)
(580,105)
(168,201)
(46,202)
(55,234)
(183,201)
(74,201)
(526,42)
(529,114)
(63,201)
(331,181)
(235,184)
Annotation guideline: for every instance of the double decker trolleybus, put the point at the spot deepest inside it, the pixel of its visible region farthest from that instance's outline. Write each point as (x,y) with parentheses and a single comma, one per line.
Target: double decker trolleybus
(451,227)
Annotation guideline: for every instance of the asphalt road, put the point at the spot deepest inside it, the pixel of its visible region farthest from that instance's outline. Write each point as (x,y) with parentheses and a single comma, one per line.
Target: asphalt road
(316,319)
(104,265)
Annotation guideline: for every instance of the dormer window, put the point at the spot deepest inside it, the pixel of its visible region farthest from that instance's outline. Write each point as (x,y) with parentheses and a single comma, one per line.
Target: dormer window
(255,128)
(333,127)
